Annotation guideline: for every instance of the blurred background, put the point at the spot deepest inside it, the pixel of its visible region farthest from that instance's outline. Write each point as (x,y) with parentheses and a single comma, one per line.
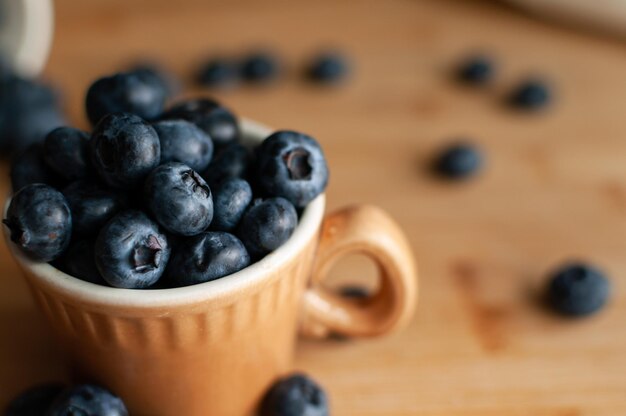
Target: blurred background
(552,187)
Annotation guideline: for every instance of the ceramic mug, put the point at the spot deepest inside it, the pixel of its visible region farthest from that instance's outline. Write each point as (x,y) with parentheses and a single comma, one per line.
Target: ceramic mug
(216,347)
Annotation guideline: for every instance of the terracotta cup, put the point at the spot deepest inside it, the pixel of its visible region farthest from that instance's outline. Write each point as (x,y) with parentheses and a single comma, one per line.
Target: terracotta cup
(216,347)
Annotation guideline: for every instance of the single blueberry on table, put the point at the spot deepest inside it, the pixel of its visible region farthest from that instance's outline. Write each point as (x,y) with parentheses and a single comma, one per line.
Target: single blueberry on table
(66,151)
(266,225)
(87,400)
(291,165)
(327,68)
(130,92)
(476,70)
(216,121)
(131,252)
(124,150)
(458,161)
(205,257)
(578,289)
(259,67)
(40,222)
(216,72)
(530,95)
(92,206)
(295,395)
(179,199)
(29,167)
(184,142)
(230,161)
(34,401)
(231,198)
(354,292)
(79,261)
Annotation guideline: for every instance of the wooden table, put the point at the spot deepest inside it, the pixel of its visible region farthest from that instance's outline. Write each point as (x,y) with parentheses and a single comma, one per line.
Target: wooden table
(554,188)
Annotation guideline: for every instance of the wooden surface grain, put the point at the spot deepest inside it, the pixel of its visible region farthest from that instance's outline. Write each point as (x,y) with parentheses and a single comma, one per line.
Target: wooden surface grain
(554,188)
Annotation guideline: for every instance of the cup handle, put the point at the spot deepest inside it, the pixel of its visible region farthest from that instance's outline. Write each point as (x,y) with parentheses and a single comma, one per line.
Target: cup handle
(370,231)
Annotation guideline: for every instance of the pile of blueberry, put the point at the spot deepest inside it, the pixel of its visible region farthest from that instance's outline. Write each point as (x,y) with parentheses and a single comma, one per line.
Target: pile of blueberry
(156,196)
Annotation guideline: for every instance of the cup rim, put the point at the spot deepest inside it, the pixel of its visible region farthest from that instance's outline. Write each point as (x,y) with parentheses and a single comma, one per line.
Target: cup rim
(250,276)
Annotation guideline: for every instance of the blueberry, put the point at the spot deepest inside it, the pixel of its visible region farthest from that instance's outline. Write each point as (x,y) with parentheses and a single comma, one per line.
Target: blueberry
(153,74)
(295,395)
(29,167)
(79,261)
(577,289)
(458,161)
(231,198)
(35,400)
(179,199)
(230,161)
(354,292)
(291,165)
(184,142)
(131,252)
(218,122)
(87,400)
(66,151)
(530,95)
(40,222)
(205,257)
(92,206)
(266,225)
(125,92)
(328,68)
(216,72)
(476,70)
(124,150)
(259,67)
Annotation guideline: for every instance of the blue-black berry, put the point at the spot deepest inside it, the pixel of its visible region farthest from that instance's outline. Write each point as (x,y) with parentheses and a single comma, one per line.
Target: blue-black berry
(291,165)
(126,92)
(131,252)
(458,161)
(230,161)
(216,72)
(328,68)
(124,150)
(29,167)
(578,289)
(79,260)
(476,70)
(40,222)
(231,198)
(295,395)
(260,67)
(34,401)
(205,257)
(184,142)
(179,199)
(530,95)
(87,400)
(66,151)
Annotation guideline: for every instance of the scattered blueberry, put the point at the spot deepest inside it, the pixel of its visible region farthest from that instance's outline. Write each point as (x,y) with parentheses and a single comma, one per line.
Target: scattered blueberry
(131,251)
(66,151)
(231,198)
(92,206)
(124,150)
(328,68)
(40,222)
(34,401)
(230,161)
(267,225)
(79,261)
(296,395)
(259,67)
(184,142)
(125,92)
(216,72)
(87,400)
(476,70)
(578,289)
(218,122)
(205,257)
(458,161)
(354,292)
(179,199)
(530,95)
(291,165)
(29,167)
